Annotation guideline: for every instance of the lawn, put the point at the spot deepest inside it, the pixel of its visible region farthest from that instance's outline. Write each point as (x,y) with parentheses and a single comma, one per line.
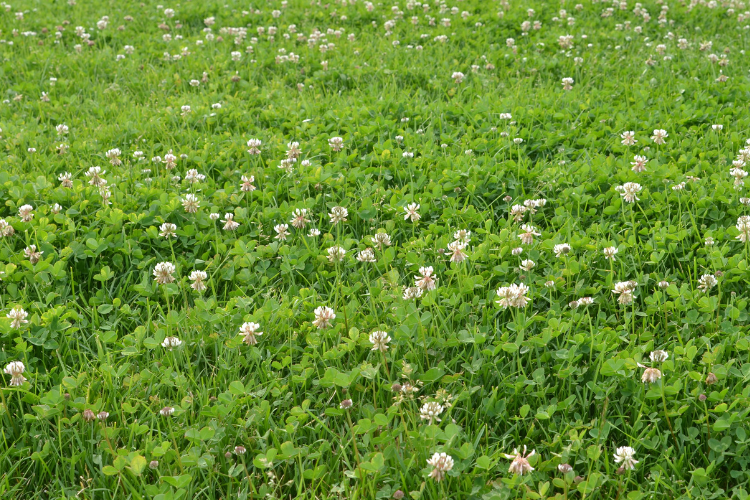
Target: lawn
(458,249)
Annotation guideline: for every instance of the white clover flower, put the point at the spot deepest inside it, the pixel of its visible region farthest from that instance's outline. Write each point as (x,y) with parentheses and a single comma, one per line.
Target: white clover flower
(659,136)
(520,464)
(281,232)
(628,138)
(561,249)
(114,156)
(229,223)
(168,230)
(25,213)
(517,212)
(659,356)
(456,250)
(425,281)
(513,296)
(650,375)
(190,203)
(463,236)
(527,265)
(625,290)
(739,175)
(431,411)
(323,317)
(338,214)
(366,255)
(610,252)
(528,233)
(629,191)
(743,226)
(15,369)
(95,174)
(299,218)
(585,301)
(412,212)
(163,273)
(18,317)
(30,253)
(192,176)
(379,341)
(248,331)
(254,145)
(336,254)
(66,180)
(198,279)
(441,464)
(625,455)
(639,164)
(171,343)
(381,240)
(707,282)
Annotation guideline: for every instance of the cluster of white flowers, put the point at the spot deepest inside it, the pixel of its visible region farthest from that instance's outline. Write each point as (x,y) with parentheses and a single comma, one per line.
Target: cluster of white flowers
(513,296)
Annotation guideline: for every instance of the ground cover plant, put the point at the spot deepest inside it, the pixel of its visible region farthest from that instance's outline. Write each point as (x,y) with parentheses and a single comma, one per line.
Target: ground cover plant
(457,249)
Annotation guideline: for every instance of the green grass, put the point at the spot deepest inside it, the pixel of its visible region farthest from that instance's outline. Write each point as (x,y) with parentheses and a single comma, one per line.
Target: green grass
(562,380)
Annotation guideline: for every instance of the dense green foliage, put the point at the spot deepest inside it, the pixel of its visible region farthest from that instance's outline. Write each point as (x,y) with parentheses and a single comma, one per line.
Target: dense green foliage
(559,375)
